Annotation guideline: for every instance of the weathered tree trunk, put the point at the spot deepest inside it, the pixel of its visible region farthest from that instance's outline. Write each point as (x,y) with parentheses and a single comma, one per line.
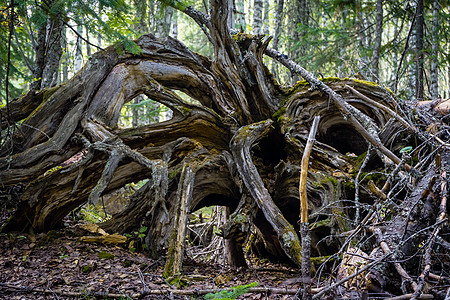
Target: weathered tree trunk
(277,33)
(240,15)
(257,16)
(78,59)
(53,53)
(243,142)
(434,72)
(378,38)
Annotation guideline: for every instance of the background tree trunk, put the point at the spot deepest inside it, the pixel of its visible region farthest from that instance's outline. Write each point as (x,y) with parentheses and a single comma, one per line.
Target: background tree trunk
(378,39)
(419,50)
(257,16)
(434,72)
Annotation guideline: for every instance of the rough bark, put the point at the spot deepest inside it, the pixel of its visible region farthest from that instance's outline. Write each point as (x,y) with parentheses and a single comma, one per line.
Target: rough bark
(257,16)
(78,59)
(420,17)
(434,73)
(53,53)
(377,45)
(175,251)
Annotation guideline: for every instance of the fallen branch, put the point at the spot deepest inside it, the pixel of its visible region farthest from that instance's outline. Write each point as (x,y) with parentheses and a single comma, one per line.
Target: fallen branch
(400,270)
(408,296)
(382,107)
(304,224)
(437,228)
(343,280)
(29,289)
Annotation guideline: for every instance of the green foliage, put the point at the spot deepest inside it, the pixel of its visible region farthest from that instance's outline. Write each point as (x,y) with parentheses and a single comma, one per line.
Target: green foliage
(232,293)
(180,282)
(180,5)
(91,214)
(406,149)
(137,239)
(144,112)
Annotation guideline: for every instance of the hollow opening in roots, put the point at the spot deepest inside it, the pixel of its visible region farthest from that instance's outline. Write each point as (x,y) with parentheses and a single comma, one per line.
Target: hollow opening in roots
(109,204)
(344,138)
(201,239)
(271,148)
(142,110)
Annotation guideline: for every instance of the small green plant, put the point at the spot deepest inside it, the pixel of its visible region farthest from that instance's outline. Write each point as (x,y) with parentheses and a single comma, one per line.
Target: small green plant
(231,293)
(137,239)
(179,282)
(86,269)
(406,149)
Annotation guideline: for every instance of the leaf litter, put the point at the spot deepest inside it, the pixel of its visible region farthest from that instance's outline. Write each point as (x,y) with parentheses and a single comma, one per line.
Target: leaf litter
(58,265)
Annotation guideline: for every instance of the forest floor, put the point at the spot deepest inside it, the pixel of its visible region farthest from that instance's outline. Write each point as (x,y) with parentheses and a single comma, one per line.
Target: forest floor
(56,265)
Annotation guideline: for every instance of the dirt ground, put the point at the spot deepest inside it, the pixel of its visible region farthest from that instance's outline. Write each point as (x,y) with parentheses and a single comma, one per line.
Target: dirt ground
(56,265)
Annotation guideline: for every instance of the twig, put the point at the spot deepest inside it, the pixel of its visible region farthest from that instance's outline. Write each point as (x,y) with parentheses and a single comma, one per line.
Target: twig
(382,107)
(404,52)
(304,225)
(187,292)
(408,296)
(401,271)
(22,53)
(427,255)
(362,270)
(358,182)
(81,36)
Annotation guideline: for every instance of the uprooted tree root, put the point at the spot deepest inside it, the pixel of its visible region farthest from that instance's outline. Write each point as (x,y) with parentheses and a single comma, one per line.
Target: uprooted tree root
(376,185)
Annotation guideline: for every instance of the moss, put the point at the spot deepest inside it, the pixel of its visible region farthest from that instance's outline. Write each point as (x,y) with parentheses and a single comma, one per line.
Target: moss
(331,179)
(288,239)
(365,82)
(179,281)
(184,109)
(278,115)
(105,255)
(172,174)
(317,185)
(331,79)
(86,269)
(52,170)
(303,83)
(126,263)
(297,86)
(374,176)
(349,184)
(322,223)
(320,259)
(49,92)
(170,256)
(241,36)
(340,217)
